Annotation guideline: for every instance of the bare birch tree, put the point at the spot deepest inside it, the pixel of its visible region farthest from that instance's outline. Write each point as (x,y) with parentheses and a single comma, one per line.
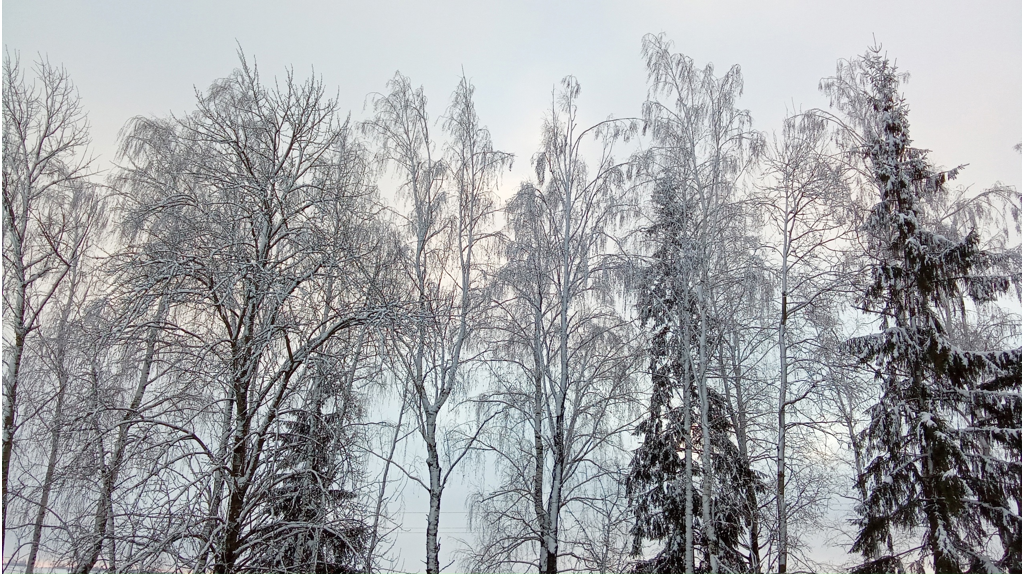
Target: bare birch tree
(449,192)
(809,206)
(566,394)
(44,177)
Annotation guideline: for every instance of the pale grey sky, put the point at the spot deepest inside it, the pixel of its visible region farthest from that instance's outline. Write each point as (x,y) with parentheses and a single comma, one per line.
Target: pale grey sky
(130,58)
(146,58)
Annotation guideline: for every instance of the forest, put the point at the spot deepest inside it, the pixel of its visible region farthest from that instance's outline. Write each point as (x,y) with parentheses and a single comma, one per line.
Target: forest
(682,345)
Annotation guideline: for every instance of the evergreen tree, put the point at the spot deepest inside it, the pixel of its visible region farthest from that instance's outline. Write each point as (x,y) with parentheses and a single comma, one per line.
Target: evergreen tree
(660,484)
(315,524)
(945,432)
(666,472)
(687,481)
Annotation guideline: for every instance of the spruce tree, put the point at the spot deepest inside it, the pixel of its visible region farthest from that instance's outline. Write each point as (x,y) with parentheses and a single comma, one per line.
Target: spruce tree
(944,435)
(687,481)
(667,469)
(313,523)
(661,482)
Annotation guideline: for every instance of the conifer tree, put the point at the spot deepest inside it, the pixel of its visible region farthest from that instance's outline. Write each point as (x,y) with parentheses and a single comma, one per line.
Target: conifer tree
(688,481)
(315,522)
(944,435)
(667,470)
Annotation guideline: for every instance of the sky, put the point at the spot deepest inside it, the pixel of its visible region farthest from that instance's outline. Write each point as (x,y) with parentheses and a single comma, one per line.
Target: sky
(148,58)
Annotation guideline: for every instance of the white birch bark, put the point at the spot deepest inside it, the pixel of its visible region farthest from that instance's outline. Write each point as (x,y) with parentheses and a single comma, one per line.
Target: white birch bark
(688,446)
(780,460)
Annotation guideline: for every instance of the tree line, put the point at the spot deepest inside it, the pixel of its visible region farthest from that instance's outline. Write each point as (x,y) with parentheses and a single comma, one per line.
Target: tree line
(683,345)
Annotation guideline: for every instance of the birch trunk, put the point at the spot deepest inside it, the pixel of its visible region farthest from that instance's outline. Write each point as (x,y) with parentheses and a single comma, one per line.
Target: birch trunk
(434,515)
(237,478)
(688,448)
(538,430)
(550,552)
(780,493)
(14,321)
(708,478)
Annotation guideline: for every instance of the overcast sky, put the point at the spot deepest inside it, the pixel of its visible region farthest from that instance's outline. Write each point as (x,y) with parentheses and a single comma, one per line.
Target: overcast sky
(146,58)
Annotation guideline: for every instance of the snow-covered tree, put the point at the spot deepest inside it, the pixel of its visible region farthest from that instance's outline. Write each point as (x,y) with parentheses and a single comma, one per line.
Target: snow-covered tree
(944,439)
(566,383)
(254,212)
(701,146)
(449,191)
(318,526)
(48,210)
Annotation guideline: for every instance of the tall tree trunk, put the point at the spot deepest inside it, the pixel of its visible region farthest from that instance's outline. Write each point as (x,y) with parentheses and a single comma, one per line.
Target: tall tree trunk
(549,563)
(550,550)
(448,381)
(434,515)
(15,229)
(688,449)
(237,480)
(232,528)
(538,430)
(780,493)
(708,477)
(12,366)
(99,530)
(111,543)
